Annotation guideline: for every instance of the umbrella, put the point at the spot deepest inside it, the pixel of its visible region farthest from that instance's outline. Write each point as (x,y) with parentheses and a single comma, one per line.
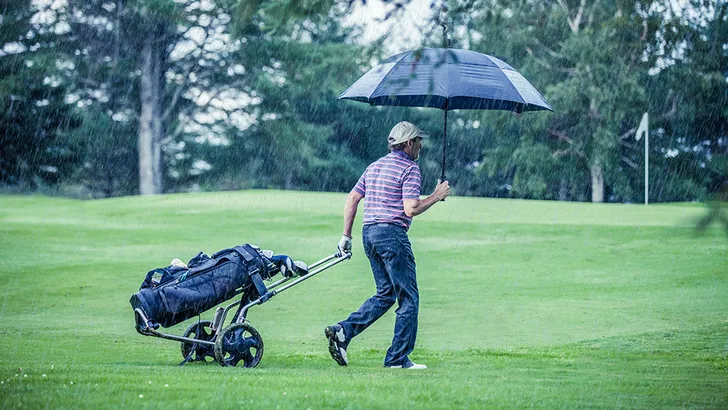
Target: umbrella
(448,79)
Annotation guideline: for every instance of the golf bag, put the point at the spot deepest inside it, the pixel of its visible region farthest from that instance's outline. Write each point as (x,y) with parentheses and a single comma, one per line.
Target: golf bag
(175,293)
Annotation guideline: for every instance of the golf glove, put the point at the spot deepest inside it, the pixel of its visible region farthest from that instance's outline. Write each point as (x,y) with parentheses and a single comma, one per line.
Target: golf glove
(344,245)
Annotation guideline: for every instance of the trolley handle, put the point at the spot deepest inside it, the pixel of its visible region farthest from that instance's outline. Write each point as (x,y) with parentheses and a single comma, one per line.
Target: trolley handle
(328,258)
(326,262)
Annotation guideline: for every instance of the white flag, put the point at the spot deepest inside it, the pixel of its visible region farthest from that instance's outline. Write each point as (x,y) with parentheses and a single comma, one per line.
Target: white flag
(642,128)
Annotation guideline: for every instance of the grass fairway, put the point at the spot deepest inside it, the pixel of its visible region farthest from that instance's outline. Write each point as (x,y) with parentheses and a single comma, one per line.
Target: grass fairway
(523,304)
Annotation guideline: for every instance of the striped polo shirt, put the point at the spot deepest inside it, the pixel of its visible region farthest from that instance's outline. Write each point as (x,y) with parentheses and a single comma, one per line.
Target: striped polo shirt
(385,184)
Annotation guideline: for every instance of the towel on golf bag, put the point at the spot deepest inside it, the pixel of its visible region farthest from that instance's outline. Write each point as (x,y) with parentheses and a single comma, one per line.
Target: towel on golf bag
(175,293)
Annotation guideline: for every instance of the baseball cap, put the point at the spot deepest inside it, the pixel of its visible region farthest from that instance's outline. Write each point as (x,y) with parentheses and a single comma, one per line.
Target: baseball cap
(403,132)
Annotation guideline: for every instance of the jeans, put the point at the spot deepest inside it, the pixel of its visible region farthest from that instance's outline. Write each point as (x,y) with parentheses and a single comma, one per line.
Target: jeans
(393,265)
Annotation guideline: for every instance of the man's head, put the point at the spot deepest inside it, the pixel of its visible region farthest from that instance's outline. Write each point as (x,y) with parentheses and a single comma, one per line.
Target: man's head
(406,137)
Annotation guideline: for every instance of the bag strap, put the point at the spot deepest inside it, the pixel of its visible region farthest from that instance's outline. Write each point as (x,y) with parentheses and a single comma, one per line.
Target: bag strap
(252,262)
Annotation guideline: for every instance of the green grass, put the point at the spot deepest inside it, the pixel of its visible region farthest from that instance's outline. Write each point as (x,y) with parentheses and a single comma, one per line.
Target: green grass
(523,304)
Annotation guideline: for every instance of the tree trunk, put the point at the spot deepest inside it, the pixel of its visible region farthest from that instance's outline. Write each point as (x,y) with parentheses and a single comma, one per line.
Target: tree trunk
(597,181)
(158,64)
(564,189)
(150,126)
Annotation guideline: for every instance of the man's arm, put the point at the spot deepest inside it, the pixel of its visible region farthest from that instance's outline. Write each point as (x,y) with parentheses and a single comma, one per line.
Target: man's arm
(414,207)
(352,203)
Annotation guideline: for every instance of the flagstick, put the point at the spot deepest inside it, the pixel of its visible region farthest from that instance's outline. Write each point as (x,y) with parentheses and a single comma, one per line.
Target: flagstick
(645,127)
(647,161)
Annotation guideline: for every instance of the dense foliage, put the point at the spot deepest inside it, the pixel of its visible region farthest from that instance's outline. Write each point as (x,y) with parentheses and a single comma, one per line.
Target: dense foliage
(117,97)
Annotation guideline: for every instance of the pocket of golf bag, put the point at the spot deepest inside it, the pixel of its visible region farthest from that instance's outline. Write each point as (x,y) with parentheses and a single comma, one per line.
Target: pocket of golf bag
(178,301)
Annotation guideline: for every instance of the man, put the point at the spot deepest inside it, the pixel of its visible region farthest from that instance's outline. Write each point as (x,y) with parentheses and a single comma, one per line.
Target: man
(391,186)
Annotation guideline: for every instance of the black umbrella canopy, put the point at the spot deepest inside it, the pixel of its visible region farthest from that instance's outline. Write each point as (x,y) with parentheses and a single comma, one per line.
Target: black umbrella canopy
(448,79)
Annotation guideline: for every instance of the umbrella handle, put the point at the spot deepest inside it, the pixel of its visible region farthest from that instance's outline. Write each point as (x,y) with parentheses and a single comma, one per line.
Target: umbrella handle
(440,181)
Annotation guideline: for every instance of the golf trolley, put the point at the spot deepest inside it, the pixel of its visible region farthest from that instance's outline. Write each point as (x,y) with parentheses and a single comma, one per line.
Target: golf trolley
(239,342)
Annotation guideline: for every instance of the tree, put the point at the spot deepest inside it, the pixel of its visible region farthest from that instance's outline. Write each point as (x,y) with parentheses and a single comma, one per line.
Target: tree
(149,63)
(33,111)
(592,60)
(697,124)
(299,134)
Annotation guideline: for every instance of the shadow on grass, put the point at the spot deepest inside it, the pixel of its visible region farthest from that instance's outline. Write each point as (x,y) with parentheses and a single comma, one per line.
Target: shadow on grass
(717,212)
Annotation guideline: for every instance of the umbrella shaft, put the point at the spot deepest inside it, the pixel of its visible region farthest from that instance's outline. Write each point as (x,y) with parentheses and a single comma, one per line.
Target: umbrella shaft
(444,145)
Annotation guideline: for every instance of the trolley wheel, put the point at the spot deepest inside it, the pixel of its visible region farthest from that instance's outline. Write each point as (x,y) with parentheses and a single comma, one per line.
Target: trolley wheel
(238,343)
(199,330)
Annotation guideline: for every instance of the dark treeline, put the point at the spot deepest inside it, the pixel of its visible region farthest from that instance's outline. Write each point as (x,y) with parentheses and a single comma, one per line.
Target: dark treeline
(120,97)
